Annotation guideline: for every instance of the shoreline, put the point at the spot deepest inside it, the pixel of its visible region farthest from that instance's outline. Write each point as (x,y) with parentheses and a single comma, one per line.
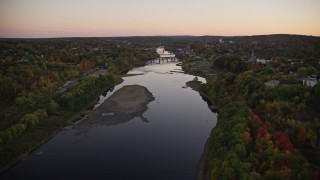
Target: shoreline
(70,118)
(145,97)
(196,86)
(203,164)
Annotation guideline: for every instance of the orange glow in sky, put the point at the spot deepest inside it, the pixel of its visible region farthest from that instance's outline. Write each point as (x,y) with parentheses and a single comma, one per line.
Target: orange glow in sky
(78,18)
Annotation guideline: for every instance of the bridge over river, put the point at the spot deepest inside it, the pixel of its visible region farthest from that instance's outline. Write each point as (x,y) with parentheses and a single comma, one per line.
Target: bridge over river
(165,55)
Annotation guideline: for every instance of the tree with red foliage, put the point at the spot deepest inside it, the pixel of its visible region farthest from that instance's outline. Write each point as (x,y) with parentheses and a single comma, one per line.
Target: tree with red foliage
(283,142)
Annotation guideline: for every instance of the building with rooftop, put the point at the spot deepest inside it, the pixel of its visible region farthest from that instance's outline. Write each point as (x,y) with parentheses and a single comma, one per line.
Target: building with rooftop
(272,83)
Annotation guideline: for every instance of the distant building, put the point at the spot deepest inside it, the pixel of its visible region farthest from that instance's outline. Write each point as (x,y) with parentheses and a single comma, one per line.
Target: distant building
(310,81)
(272,83)
(263,61)
(160,50)
(164,54)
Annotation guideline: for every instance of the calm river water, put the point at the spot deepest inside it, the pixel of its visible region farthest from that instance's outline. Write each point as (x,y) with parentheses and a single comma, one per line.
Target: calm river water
(169,146)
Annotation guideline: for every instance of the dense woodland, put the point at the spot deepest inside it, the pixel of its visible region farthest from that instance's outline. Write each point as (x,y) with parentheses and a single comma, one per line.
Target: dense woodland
(262,132)
(44,83)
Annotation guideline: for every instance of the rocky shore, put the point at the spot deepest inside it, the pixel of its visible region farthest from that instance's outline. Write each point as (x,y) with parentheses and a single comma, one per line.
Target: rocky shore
(196,86)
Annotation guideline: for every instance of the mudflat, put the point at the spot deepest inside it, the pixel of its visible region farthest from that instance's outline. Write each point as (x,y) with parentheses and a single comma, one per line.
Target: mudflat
(124,105)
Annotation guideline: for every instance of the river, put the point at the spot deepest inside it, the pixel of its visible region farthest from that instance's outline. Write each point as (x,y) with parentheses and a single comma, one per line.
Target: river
(168,146)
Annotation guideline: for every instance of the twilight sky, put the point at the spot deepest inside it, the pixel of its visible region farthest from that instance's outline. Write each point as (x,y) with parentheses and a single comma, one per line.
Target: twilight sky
(77,18)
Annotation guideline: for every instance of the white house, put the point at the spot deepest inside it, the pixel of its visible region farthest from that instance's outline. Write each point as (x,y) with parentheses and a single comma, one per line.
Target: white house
(309,81)
(263,61)
(164,54)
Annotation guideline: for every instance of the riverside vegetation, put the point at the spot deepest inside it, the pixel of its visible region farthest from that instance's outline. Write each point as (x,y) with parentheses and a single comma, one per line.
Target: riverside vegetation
(33,107)
(262,132)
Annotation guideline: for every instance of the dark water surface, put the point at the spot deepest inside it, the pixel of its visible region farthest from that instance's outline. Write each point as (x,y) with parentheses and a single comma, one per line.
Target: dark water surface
(169,146)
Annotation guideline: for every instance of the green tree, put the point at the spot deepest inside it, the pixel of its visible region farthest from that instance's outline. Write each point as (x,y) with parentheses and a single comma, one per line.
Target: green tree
(30,120)
(306,71)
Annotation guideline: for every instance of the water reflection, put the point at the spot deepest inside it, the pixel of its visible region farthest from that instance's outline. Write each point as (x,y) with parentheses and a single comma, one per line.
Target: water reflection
(168,147)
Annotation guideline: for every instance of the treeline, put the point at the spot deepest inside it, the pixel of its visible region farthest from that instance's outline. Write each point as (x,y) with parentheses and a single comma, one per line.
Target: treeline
(74,100)
(31,71)
(13,132)
(263,131)
(233,63)
(43,121)
(32,67)
(35,97)
(80,96)
(230,63)
(123,59)
(238,152)
(259,134)
(295,47)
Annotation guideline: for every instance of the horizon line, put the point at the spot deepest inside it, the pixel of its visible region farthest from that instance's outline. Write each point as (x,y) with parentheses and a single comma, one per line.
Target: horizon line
(128,36)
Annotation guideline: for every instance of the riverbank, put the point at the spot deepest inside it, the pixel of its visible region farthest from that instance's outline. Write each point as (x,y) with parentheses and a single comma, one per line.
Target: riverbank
(33,137)
(248,119)
(203,169)
(196,86)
